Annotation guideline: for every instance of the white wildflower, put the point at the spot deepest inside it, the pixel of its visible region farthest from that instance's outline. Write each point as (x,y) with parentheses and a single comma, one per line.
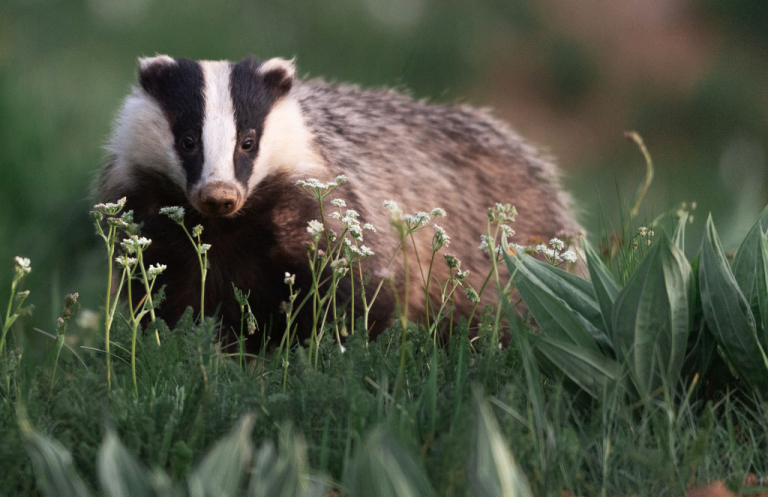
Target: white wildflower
(418,219)
(557,244)
(391,206)
(642,231)
(440,239)
(365,251)
(125,261)
(22,265)
(543,249)
(154,271)
(507,230)
(438,212)
(314,227)
(338,202)
(135,244)
(340,179)
(174,212)
(110,208)
(351,213)
(197,230)
(369,227)
(205,247)
(335,215)
(569,256)
(289,279)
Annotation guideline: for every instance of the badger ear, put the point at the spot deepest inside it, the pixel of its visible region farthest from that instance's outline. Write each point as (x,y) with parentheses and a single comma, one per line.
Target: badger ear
(278,75)
(150,69)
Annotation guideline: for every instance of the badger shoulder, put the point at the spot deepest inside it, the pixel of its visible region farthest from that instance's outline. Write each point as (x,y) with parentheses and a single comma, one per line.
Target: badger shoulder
(407,148)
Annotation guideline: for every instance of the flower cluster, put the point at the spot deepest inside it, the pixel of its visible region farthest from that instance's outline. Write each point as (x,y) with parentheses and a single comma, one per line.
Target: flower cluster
(22,266)
(135,244)
(176,213)
(554,255)
(155,270)
(318,189)
(503,213)
(440,239)
(109,209)
(412,222)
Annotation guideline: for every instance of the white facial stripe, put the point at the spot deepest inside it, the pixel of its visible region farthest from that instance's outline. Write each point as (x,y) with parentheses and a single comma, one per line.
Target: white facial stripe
(219,128)
(286,144)
(142,138)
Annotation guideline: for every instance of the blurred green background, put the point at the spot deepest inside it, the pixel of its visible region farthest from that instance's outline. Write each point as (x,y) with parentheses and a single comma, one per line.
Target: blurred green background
(689,75)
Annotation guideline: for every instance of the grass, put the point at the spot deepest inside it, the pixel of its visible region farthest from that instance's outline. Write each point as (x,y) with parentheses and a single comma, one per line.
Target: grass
(407,414)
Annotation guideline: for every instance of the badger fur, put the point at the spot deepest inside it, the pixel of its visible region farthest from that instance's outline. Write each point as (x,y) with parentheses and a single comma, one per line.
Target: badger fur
(228,141)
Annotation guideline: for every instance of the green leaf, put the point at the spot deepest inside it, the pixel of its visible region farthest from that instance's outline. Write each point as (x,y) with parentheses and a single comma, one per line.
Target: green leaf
(285,473)
(120,475)
(563,305)
(222,470)
(54,471)
(591,371)
(728,313)
(678,237)
(605,287)
(383,468)
(492,471)
(751,272)
(653,316)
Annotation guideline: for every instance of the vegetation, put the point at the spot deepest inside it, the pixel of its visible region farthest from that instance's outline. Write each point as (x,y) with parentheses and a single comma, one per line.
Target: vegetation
(647,378)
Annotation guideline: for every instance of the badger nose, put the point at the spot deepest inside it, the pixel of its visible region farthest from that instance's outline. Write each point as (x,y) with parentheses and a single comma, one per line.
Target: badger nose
(219,199)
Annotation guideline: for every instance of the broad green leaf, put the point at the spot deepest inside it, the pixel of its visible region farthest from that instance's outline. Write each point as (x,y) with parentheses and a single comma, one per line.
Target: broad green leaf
(652,317)
(223,468)
(553,301)
(678,237)
(701,342)
(54,471)
(762,295)
(591,371)
(493,471)
(284,473)
(384,468)
(605,287)
(120,475)
(751,273)
(728,314)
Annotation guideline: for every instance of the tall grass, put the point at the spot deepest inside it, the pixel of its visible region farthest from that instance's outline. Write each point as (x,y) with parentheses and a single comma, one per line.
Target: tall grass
(646,379)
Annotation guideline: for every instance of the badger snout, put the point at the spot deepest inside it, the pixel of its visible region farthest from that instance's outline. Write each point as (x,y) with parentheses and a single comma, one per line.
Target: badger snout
(218,199)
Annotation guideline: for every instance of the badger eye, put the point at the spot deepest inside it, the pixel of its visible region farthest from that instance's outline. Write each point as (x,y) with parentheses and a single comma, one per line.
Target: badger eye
(188,144)
(247,144)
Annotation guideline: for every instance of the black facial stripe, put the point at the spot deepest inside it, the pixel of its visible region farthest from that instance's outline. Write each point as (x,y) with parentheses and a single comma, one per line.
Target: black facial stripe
(178,88)
(252,99)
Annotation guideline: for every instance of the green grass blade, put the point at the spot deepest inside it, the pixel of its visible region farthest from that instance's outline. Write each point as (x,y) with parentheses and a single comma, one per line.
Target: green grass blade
(54,471)
(605,287)
(728,313)
(284,473)
(383,468)
(653,316)
(120,475)
(493,471)
(222,470)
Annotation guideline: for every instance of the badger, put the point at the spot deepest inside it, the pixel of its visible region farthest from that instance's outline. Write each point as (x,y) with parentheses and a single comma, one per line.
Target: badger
(228,141)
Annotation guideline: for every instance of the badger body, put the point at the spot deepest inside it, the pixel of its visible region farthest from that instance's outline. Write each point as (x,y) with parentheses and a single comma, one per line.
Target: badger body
(228,141)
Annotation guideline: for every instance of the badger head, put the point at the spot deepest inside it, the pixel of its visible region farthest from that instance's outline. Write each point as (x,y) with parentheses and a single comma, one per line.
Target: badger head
(203,126)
